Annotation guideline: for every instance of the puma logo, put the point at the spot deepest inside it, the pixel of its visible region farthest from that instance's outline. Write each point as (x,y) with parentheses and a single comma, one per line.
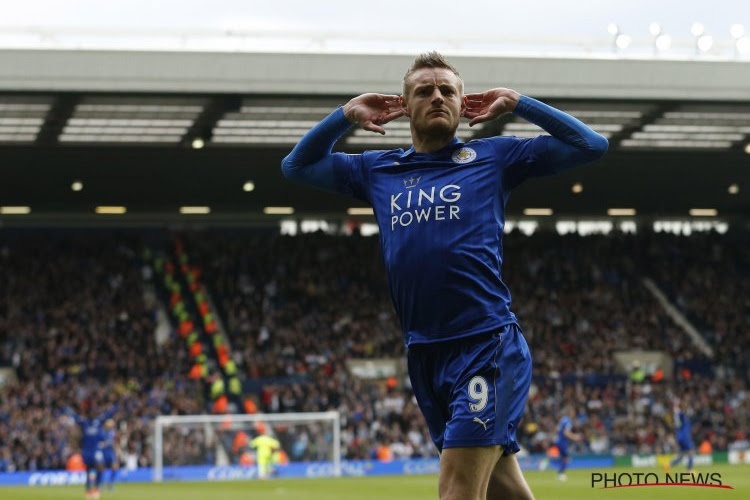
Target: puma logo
(479,421)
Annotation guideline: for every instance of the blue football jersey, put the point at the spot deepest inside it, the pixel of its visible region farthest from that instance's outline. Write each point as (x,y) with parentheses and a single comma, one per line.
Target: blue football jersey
(107,440)
(91,429)
(565,425)
(683,425)
(441,218)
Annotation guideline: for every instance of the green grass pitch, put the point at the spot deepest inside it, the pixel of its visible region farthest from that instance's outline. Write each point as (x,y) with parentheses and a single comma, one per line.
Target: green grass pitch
(544,484)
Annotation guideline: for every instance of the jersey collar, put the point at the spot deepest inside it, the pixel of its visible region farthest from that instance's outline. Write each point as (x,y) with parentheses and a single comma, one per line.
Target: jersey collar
(451,145)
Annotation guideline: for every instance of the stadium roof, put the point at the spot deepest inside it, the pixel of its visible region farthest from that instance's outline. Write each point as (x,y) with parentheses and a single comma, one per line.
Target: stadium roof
(73,116)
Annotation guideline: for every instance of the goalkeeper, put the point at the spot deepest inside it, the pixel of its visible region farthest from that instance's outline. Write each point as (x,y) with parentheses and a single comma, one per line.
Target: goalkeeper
(267,449)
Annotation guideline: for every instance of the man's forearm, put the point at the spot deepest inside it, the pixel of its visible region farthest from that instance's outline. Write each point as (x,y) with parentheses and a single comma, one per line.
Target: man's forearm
(110,413)
(318,142)
(311,161)
(561,125)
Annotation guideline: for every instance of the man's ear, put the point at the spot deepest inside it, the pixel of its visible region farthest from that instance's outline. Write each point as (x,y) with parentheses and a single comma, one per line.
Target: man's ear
(463,106)
(403,105)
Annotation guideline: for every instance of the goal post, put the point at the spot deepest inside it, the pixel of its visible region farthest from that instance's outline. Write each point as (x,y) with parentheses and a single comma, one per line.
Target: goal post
(225,440)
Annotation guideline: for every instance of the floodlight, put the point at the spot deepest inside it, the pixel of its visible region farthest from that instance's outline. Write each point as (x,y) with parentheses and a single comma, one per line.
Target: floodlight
(705,43)
(697,29)
(623,41)
(663,42)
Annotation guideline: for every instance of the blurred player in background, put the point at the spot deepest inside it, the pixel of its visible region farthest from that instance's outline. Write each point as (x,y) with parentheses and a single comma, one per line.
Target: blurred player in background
(440,207)
(565,433)
(93,455)
(683,435)
(111,451)
(267,449)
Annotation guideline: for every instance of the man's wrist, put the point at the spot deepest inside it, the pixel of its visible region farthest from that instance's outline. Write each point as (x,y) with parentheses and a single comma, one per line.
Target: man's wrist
(520,104)
(515,98)
(347,109)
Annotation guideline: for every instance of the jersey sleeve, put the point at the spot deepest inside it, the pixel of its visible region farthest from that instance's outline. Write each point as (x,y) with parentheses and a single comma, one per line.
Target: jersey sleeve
(518,158)
(311,161)
(351,175)
(571,143)
(109,413)
(75,416)
(565,425)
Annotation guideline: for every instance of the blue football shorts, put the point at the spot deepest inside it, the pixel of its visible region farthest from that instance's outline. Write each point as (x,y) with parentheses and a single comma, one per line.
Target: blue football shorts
(473,390)
(93,458)
(110,457)
(686,444)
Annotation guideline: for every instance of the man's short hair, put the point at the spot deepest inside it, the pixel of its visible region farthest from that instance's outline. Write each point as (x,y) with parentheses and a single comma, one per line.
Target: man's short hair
(430,60)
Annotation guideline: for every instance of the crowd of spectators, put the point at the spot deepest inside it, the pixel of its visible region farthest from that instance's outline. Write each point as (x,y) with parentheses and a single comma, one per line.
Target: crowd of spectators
(78,333)
(708,279)
(371,414)
(579,299)
(75,326)
(294,303)
(625,418)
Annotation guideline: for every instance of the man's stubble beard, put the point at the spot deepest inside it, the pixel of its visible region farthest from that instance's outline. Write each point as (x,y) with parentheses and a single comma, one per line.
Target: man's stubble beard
(436,131)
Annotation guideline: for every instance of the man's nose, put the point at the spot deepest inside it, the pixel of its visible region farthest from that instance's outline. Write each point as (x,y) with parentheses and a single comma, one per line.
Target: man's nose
(437,97)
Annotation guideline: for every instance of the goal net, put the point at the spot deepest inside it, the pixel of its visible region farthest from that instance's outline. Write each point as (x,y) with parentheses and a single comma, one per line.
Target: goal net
(248,446)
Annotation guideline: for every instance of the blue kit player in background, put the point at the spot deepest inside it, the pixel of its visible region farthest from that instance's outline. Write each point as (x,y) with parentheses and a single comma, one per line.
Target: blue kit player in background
(109,447)
(440,207)
(683,435)
(91,449)
(565,433)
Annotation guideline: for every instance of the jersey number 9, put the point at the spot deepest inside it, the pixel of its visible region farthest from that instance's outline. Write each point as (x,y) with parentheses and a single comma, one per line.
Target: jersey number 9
(479,392)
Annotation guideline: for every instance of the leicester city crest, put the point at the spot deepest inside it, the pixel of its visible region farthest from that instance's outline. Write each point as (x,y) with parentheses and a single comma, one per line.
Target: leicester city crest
(464,155)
